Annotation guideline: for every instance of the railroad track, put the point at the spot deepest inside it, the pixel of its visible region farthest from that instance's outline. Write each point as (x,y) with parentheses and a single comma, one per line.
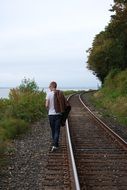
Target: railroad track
(100,156)
(58,173)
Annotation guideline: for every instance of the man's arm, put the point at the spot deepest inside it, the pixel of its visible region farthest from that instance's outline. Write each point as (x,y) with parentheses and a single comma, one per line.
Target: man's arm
(47,104)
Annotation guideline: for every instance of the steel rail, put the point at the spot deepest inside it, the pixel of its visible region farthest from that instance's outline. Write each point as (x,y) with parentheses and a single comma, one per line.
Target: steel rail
(75,174)
(109,130)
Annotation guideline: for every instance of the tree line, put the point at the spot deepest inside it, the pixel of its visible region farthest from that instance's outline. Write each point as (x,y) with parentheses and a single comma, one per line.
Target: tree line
(109,47)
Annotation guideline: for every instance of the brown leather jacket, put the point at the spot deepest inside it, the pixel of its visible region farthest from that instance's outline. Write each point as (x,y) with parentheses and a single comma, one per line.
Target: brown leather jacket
(60,101)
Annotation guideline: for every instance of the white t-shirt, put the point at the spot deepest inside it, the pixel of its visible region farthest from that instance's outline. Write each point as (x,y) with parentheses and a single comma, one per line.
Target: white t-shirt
(50,98)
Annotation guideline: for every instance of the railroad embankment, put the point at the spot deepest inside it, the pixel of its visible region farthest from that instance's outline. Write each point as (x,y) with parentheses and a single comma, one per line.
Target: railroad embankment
(111,99)
(110,104)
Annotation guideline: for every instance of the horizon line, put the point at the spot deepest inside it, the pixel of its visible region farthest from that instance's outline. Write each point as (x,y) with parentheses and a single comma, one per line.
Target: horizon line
(9,87)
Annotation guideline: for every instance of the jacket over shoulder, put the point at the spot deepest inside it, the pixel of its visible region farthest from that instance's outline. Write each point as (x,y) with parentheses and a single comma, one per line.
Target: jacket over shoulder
(60,101)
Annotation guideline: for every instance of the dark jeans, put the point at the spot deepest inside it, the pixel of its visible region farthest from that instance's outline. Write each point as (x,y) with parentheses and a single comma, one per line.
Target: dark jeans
(55,128)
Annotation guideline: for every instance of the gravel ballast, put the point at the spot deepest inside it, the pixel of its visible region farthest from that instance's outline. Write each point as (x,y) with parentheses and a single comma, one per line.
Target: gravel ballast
(26,169)
(27,163)
(110,120)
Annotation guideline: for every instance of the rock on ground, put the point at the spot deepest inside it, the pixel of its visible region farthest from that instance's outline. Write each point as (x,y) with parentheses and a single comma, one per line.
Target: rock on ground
(27,164)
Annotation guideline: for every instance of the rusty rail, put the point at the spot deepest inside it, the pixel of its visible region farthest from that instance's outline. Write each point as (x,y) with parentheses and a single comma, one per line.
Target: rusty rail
(75,175)
(121,141)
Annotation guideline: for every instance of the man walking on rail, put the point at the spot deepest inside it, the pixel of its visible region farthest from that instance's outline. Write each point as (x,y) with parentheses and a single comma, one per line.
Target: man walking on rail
(56,104)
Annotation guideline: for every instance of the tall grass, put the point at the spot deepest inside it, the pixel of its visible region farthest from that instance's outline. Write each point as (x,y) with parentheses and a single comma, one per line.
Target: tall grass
(113,95)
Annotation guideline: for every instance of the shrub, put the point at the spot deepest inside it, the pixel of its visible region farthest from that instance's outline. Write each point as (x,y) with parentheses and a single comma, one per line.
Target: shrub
(28,85)
(11,127)
(4,106)
(27,102)
(27,105)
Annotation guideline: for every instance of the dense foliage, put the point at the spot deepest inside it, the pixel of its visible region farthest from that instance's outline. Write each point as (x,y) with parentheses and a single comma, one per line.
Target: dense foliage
(26,104)
(28,85)
(109,48)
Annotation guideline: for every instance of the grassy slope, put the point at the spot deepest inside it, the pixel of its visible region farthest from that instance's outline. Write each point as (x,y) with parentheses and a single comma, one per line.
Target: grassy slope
(113,96)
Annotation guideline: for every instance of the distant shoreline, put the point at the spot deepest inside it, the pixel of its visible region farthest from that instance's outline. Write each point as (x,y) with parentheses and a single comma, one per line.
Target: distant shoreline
(4,91)
(68,87)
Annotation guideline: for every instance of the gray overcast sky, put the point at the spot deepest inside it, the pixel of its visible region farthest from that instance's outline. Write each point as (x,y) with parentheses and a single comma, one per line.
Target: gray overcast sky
(47,40)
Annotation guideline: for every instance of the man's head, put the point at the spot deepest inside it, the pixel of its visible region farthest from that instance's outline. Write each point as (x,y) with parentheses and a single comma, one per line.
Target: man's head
(53,85)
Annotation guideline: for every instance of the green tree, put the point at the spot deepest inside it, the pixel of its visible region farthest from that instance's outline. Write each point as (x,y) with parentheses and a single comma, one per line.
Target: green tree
(99,59)
(109,48)
(28,85)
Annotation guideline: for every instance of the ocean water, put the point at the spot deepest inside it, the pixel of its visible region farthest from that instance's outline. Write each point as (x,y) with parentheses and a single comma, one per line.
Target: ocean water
(4,92)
